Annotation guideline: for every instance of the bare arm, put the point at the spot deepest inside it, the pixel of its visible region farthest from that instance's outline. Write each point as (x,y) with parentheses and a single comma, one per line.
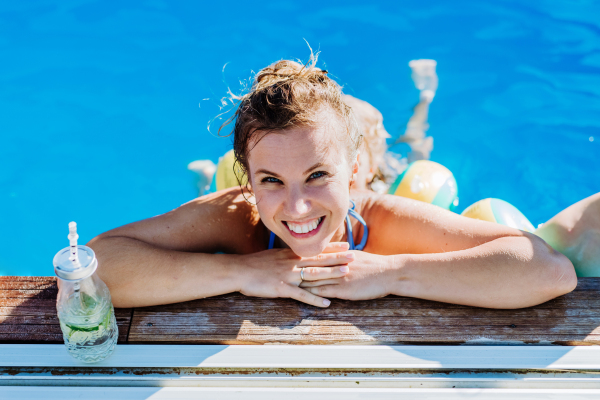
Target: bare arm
(437,255)
(508,272)
(165,259)
(140,274)
(168,258)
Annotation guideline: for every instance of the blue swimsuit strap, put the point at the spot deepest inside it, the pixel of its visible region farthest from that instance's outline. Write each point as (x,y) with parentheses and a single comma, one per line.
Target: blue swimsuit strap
(351,213)
(271,240)
(363,241)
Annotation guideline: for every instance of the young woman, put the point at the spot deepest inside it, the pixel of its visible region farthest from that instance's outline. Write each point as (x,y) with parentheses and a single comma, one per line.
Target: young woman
(298,230)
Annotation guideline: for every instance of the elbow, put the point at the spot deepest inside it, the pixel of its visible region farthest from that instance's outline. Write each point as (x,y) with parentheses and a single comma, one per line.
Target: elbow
(549,273)
(558,270)
(564,278)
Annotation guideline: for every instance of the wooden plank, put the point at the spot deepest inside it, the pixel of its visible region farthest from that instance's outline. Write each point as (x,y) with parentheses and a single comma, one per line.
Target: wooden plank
(356,339)
(236,301)
(223,319)
(571,319)
(28,311)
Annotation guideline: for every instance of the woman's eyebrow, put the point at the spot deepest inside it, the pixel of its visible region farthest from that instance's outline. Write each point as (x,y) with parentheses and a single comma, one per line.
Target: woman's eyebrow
(317,165)
(267,172)
(264,171)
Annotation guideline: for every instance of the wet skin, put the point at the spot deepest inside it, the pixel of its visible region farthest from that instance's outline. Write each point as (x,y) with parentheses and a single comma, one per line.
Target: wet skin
(302,175)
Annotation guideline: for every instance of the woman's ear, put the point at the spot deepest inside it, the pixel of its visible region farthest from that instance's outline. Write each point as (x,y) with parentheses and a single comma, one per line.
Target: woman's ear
(356,163)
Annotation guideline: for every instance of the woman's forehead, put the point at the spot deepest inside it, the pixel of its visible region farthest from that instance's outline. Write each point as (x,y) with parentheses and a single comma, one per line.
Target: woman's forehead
(296,147)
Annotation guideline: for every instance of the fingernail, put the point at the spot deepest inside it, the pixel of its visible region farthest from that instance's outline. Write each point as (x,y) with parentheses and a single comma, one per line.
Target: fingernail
(326,302)
(345,268)
(350,256)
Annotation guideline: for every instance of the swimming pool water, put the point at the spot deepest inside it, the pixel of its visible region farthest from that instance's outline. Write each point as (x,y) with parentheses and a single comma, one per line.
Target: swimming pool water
(103,104)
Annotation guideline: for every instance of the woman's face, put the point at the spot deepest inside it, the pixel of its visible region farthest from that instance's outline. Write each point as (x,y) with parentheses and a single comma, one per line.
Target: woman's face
(300,178)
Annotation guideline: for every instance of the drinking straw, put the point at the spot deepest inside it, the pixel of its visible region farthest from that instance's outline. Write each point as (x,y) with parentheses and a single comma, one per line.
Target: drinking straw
(74,258)
(73,236)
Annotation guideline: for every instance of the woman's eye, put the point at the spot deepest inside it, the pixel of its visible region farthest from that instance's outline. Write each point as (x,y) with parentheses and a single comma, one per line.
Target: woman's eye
(317,175)
(270,179)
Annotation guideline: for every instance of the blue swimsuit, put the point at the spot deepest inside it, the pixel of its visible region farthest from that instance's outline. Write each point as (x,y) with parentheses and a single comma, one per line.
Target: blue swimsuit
(351,213)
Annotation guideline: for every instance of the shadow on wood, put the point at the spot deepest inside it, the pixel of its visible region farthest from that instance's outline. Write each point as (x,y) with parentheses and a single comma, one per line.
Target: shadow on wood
(28,315)
(572,319)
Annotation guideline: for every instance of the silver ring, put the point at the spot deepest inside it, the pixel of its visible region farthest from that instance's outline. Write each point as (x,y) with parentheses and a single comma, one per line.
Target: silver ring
(302,274)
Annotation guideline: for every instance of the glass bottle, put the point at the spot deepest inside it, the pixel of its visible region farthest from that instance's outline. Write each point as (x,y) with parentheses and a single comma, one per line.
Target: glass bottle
(86,314)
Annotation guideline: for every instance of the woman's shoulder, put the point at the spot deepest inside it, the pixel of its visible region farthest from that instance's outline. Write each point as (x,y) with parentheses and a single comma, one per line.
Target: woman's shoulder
(231,202)
(369,203)
(222,221)
(402,225)
(232,210)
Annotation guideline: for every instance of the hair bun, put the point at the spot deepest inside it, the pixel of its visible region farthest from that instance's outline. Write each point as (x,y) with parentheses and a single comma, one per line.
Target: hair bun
(286,69)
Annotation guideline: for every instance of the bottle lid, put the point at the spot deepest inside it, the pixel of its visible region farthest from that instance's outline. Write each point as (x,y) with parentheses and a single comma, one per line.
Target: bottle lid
(66,269)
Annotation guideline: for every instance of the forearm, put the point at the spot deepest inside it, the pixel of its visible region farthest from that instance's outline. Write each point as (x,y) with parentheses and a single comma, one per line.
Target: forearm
(509,272)
(139,274)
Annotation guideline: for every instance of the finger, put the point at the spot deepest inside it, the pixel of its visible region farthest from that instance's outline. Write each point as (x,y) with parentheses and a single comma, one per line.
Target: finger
(305,297)
(327,260)
(308,284)
(335,247)
(317,274)
(327,290)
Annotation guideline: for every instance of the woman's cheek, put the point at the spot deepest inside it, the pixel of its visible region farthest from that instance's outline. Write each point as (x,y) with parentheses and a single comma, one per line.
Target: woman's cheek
(266,204)
(337,201)
(338,195)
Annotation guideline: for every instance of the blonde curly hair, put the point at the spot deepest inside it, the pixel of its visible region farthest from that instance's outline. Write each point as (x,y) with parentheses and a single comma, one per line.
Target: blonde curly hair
(370,121)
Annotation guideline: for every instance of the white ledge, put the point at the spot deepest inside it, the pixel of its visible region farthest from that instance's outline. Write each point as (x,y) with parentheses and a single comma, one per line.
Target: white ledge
(314,357)
(26,393)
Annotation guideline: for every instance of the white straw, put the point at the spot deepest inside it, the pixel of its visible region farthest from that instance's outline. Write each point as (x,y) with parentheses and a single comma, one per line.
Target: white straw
(73,236)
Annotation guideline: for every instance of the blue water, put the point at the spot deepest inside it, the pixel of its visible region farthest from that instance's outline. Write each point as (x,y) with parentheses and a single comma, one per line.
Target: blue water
(103,104)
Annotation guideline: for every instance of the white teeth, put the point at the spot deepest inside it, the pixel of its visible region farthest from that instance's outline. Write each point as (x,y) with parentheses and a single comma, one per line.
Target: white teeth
(304,228)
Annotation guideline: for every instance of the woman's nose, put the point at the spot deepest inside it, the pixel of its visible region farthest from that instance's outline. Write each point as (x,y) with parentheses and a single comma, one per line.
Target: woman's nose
(297,204)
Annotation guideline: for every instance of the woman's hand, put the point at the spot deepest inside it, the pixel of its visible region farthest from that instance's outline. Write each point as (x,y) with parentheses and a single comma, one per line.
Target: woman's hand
(276,272)
(367,279)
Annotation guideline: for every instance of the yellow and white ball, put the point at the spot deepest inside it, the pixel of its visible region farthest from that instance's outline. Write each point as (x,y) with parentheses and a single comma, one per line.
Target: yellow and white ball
(499,211)
(427,181)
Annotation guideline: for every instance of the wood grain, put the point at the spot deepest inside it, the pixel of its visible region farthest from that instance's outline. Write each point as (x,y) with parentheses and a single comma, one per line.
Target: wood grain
(28,311)
(28,315)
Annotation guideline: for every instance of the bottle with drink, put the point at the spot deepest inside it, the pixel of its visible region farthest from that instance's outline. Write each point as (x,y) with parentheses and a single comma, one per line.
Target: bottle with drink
(86,314)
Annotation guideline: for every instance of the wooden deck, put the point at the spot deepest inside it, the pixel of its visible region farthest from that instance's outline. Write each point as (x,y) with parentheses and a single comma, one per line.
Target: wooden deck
(28,315)
(377,349)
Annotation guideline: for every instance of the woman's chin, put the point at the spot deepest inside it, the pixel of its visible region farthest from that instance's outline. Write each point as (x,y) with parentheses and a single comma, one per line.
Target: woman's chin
(308,250)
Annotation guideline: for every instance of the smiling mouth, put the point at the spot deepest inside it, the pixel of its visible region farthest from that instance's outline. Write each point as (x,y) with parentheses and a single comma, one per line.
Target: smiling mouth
(304,230)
